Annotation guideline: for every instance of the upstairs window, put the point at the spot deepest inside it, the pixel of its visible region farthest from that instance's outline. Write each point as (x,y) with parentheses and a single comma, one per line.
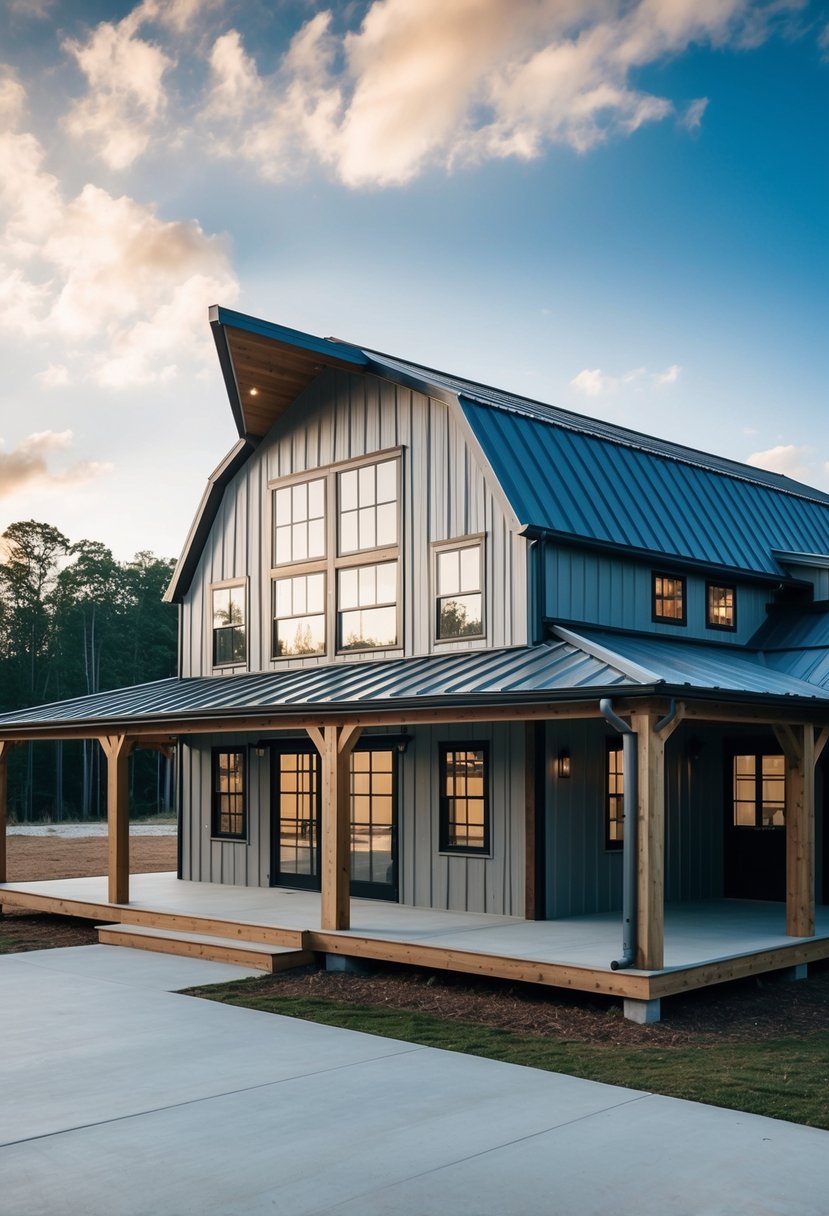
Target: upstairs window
(669,599)
(367,499)
(367,606)
(464,798)
(720,606)
(615,796)
(228,614)
(229,813)
(299,522)
(460,591)
(759,790)
(299,615)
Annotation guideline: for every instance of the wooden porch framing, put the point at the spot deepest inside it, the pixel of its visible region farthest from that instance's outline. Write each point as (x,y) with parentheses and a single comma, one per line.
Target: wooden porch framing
(335,733)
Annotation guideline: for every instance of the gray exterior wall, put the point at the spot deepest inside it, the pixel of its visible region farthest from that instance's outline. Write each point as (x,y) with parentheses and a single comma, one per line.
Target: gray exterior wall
(445,495)
(600,589)
(426,877)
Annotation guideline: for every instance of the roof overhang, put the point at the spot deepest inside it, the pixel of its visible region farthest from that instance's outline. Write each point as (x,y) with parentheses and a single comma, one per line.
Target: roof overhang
(266,366)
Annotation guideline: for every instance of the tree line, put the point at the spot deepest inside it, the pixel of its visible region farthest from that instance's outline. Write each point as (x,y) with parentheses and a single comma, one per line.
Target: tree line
(75,621)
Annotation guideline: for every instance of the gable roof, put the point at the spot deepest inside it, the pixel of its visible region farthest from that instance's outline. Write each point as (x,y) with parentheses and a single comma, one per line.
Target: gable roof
(563,474)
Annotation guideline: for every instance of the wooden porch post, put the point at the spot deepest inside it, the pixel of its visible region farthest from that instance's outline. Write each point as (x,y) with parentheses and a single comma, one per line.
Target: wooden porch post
(5,748)
(335,745)
(650,893)
(798,743)
(117,749)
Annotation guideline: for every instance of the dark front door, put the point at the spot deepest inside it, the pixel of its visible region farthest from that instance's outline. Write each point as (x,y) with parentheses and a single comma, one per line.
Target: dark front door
(296,812)
(755,823)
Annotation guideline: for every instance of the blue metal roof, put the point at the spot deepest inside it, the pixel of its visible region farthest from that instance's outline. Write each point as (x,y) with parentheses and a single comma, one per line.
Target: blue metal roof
(683,664)
(797,643)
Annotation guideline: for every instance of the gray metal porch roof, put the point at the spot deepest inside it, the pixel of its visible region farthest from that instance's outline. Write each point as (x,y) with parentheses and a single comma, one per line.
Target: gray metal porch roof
(569,667)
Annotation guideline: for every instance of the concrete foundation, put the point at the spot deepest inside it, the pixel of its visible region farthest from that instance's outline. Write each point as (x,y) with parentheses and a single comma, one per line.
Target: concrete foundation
(643,1012)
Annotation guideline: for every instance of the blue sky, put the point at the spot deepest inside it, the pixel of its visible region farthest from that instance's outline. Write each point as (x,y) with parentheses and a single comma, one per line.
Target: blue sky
(617,206)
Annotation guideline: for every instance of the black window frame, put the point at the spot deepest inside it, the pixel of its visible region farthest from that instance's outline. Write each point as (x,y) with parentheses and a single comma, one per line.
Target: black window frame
(711,585)
(215,793)
(444,799)
(758,750)
(657,617)
(613,747)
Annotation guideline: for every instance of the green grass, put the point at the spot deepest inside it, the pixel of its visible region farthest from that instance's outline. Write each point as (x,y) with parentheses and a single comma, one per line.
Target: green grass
(787,1078)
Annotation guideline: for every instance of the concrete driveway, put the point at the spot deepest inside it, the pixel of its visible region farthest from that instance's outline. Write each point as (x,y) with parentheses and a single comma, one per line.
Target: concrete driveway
(122,1098)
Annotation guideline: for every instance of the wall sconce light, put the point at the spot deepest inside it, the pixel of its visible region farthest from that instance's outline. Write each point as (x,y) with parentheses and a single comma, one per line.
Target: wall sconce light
(563,763)
(403,741)
(260,751)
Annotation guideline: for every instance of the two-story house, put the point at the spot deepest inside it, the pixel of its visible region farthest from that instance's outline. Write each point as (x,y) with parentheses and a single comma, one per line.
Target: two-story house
(454,649)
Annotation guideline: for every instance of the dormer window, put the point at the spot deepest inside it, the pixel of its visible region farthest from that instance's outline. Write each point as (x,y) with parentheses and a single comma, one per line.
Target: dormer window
(669,597)
(229,632)
(720,606)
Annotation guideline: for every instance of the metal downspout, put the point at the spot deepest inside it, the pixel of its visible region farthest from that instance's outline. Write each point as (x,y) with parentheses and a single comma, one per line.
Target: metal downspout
(630,766)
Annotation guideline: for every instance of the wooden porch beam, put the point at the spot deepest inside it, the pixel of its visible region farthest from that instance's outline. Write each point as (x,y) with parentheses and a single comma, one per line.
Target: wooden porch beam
(650,893)
(820,742)
(117,749)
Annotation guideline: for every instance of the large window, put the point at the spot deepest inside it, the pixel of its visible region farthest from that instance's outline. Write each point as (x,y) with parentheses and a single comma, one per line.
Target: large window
(367,606)
(336,541)
(459,577)
(367,498)
(228,615)
(299,615)
(615,796)
(229,817)
(299,522)
(759,790)
(372,816)
(464,798)
(720,606)
(669,599)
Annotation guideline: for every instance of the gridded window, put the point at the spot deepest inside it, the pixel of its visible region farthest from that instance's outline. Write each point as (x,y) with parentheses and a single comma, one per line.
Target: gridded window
(299,522)
(372,815)
(669,598)
(228,608)
(721,606)
(464,798)
(759,786)
(367,606)
(299,615)
(229,816)
(298,793)
(459,592)
(368,507)
(615,816)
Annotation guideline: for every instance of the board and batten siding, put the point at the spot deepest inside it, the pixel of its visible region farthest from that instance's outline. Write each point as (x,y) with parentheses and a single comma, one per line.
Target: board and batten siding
(600,589)
(445,495)
(583,876)
(426,877)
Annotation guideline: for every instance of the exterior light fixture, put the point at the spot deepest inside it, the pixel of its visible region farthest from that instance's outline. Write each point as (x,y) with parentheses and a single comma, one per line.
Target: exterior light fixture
(254,392)
(403,741)
(563,763)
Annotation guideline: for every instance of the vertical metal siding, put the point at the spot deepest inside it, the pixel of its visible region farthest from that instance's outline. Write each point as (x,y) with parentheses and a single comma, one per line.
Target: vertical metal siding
(596,588)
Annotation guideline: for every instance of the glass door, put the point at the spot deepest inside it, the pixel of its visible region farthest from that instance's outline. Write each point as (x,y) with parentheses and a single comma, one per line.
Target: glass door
(296,803)
(374,822)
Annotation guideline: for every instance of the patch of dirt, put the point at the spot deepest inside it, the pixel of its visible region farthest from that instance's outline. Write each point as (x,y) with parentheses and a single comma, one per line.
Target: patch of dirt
(36,858)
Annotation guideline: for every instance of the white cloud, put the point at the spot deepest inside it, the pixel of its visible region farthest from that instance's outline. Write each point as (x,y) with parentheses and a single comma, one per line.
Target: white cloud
(125,291)
(593,382)
(425,82)
(788,459)
(28,464)
(56,375)
(692,117)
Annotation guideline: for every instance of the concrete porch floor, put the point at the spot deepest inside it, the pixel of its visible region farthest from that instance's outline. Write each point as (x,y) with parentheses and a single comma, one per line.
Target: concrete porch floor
(704,942)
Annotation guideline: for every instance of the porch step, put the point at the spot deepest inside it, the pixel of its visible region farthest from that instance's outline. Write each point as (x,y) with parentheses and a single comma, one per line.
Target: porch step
(257,955)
